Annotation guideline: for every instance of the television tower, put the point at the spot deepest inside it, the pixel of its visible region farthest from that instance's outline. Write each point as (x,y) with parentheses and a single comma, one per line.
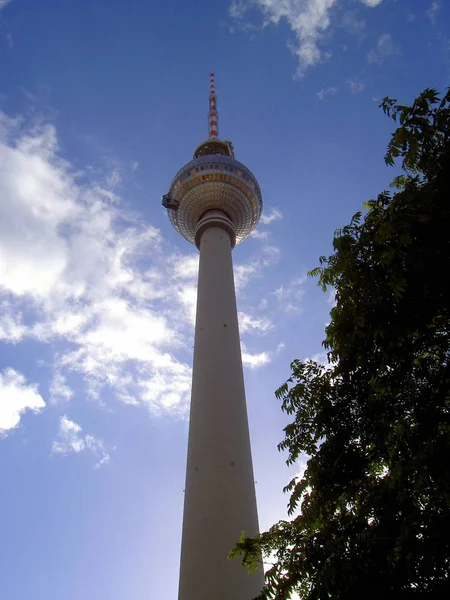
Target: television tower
(215,202)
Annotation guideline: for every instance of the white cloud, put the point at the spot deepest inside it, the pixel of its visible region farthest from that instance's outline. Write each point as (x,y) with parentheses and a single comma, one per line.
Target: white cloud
(124,347)
(16,397)
(238,9)
(308,20)
(71,440)
(162,392)
(59,390)
(290,296)
(384,49)
(331,300)
(330,91)
(279,349)
(352,24)
(244,273)
(188,297)
(274,215)
(301,465)
(186,267)
(34,200)
(355,86)
(3,3)
(434,8)
(259,235)
(321,358)
(371,3)
(123,330)
(249,324)
(75,268)
(113,180)
(270,256)
(253,361)
(11,327)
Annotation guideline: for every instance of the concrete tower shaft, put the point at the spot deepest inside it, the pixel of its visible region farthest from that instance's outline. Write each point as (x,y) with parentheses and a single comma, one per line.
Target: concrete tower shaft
(220,499)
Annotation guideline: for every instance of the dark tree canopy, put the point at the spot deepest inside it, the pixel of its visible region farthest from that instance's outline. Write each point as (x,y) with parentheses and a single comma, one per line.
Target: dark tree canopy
(371,515)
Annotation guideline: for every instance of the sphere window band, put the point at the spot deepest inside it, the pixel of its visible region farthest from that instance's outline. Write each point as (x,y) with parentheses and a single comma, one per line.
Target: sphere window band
(206,183)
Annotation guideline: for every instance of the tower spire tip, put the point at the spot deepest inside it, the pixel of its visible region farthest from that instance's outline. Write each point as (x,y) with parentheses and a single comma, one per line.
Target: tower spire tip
(213,116)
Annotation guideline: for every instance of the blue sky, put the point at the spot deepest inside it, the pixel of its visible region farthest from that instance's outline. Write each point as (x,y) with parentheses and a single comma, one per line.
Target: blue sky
(101,102)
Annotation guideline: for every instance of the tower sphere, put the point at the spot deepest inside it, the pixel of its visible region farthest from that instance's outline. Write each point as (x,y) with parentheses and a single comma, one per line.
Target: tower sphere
(214,180)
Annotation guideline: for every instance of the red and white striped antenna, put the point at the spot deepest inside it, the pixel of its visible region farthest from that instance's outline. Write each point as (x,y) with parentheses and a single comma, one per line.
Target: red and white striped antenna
(213,117)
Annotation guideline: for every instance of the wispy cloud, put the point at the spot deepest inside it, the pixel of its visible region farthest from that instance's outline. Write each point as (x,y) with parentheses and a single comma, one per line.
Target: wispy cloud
(252,324)
(355,86)
(16,397)
(371,3)
(253,361)
(352,24)
(432,11)
(3,3)
(11,325)
(80,277)
(185,267)
(324,92)
(384,49)
(259,359)
(270,256)
(238,9)
(59,390)
(331,299)
(290,296)
(321,358)
(259,235)
(72,441)
(308,20)
(244,273)
(274,215)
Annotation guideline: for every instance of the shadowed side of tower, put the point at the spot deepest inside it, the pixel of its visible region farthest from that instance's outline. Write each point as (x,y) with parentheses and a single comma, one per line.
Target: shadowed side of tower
(215,202)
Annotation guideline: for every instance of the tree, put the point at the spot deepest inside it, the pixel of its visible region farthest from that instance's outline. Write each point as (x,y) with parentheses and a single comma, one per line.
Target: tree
(371,514)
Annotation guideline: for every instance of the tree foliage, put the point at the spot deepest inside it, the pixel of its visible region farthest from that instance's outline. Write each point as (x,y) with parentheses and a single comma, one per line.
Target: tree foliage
(371,514)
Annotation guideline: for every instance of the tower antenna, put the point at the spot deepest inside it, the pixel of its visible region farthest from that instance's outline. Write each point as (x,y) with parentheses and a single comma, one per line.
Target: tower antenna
(213,116)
